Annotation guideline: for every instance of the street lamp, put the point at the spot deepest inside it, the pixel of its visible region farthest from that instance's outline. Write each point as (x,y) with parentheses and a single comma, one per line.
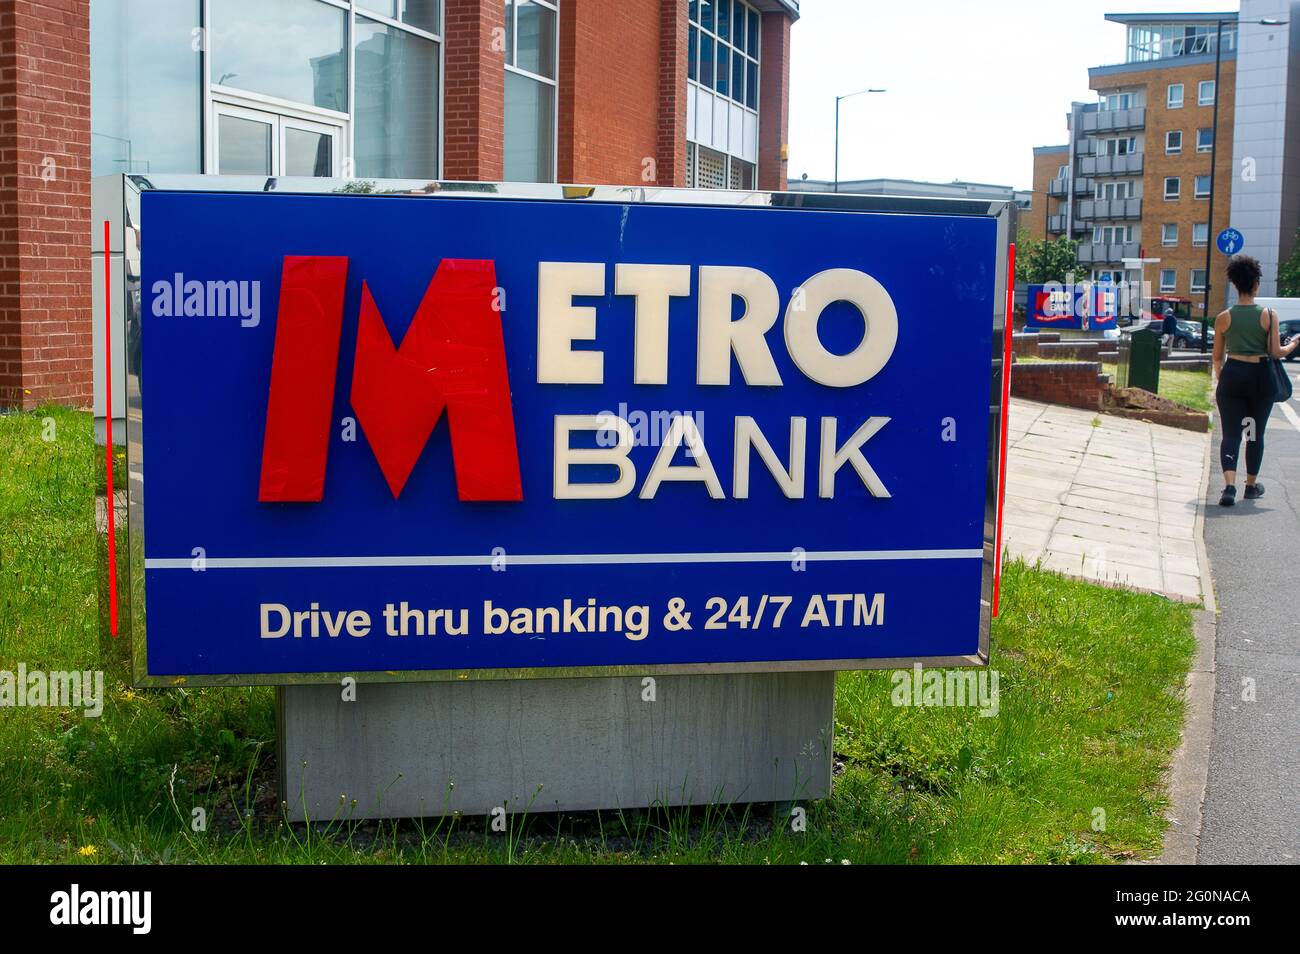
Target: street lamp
(837,128)
(1214,150)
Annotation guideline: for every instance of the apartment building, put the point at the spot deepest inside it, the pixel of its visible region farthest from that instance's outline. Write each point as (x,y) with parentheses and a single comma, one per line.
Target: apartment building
(637,92)
(1133,181)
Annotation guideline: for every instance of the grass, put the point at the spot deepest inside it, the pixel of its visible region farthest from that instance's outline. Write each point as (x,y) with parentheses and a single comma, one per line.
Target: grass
(1189,388)
(1090,711)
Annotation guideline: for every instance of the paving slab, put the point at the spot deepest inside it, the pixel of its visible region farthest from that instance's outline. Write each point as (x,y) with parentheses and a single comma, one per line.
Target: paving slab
(1107,499)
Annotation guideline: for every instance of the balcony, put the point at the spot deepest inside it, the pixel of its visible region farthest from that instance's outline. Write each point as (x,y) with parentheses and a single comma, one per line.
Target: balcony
(1113,120)
(1056,224)
(1130,164)
(1107,253)
(1058,187)
(1110,209)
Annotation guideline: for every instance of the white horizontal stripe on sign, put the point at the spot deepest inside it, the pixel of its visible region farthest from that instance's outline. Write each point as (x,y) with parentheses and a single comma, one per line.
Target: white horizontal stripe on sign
(555,559)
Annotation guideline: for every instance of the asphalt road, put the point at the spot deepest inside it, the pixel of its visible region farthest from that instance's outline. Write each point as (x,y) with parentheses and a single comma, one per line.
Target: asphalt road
(1252,798)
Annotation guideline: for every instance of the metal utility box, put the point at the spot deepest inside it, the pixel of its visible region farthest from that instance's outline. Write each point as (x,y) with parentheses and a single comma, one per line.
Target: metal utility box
(1139,360)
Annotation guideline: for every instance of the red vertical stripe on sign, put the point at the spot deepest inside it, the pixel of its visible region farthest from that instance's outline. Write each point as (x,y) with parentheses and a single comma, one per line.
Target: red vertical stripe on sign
(108,430)
(303,367)
(1006,412)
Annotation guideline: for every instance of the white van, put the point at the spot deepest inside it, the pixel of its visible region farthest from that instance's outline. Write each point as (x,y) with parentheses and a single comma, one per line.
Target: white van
(1288,317)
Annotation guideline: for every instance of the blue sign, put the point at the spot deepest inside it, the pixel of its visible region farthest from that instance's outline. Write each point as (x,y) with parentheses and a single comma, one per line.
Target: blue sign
(1230,241)
(1083,307)
(387,434)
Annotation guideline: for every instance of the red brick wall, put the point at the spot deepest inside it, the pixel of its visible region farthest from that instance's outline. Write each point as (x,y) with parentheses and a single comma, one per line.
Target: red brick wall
(1075,383)
(45,329)
(773,101)
(611,90)
(474,94)
(673,38)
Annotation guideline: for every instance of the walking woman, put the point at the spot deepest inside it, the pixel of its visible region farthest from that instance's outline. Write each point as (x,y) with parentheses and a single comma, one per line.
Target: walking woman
(1243,336)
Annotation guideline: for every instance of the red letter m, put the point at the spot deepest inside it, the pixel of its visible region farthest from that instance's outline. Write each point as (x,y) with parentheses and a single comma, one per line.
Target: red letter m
(453,357)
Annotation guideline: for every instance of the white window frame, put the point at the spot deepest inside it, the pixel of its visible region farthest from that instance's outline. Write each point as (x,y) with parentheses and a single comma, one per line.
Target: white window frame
(1171,285)
(1178,188)
(214,94)
(1205,235)
(1207,146)
(1201,98)
(1192,280)
(1170,148)
(512,53)
(1170,101)
(1165,241)
(1196,191)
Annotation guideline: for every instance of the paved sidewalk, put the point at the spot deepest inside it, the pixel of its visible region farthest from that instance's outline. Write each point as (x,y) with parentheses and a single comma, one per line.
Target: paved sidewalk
(1107,498)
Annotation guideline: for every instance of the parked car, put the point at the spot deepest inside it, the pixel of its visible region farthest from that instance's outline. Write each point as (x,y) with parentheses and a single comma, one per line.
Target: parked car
(1188,336)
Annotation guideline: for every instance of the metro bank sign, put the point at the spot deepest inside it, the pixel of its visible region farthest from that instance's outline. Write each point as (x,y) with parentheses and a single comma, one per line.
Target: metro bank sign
(420,455)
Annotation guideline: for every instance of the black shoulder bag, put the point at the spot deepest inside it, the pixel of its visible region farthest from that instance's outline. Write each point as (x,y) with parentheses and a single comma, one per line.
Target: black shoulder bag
(1279,380)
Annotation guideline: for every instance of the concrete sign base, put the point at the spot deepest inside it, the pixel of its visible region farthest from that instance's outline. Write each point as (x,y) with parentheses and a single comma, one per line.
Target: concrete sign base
(429,749)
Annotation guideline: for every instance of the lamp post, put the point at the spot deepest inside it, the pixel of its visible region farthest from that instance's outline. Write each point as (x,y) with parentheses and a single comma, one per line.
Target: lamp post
(1214,151)
(837,129)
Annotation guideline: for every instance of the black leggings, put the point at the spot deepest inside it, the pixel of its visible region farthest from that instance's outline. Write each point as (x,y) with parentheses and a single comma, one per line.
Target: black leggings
(1244,405)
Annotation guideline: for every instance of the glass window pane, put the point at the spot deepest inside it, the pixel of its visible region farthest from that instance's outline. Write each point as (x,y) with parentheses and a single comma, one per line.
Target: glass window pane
(396,115)
(292,50)
(695,11)
(529,130)
(692,46)
(751,47)
(724,19)
(308,153)
(422,14)
(751,84)
(724,69)
(535,40)
(146,93)
(706,14)
(243,146)
(738,25)
(737,77)
(706,60)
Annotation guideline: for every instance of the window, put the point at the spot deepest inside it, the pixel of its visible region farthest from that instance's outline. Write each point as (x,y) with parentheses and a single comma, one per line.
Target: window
(1204,139)
(1174,96)
(1112,234)
(1173,187)
(531,52)
(1200,233)
(1202,187)
(1169,234)
(396,112)
(1114,101)
(1121,146)
(1198,279)
(1205,93)
(1117,189)
(146,89)
(1168,280)
(724,36)
(1173,142)
(1062,172)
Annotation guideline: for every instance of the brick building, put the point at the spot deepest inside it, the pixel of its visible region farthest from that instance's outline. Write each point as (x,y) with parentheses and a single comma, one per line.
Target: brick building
(1133,182)
(647,92)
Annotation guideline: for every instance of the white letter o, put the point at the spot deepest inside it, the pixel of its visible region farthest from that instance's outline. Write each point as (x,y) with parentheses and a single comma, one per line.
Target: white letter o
(880,333)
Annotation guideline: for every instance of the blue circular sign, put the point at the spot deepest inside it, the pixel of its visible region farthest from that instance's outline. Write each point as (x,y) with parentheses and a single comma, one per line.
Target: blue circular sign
(1230,241)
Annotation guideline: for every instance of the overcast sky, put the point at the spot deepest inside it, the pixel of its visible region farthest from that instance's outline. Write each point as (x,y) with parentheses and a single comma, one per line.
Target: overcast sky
(972,86)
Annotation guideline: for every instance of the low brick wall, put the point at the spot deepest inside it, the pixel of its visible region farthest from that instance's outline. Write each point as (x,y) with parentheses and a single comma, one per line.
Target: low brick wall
(1076,350)
(1075,383)
(1187,363)
(1028,344)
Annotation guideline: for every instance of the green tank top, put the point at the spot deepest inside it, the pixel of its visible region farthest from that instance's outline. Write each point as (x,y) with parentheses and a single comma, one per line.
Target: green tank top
(1246,336)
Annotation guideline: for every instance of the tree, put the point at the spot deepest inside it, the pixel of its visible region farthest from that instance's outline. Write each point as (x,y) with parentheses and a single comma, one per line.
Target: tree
(1288,273)
(1039,261)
